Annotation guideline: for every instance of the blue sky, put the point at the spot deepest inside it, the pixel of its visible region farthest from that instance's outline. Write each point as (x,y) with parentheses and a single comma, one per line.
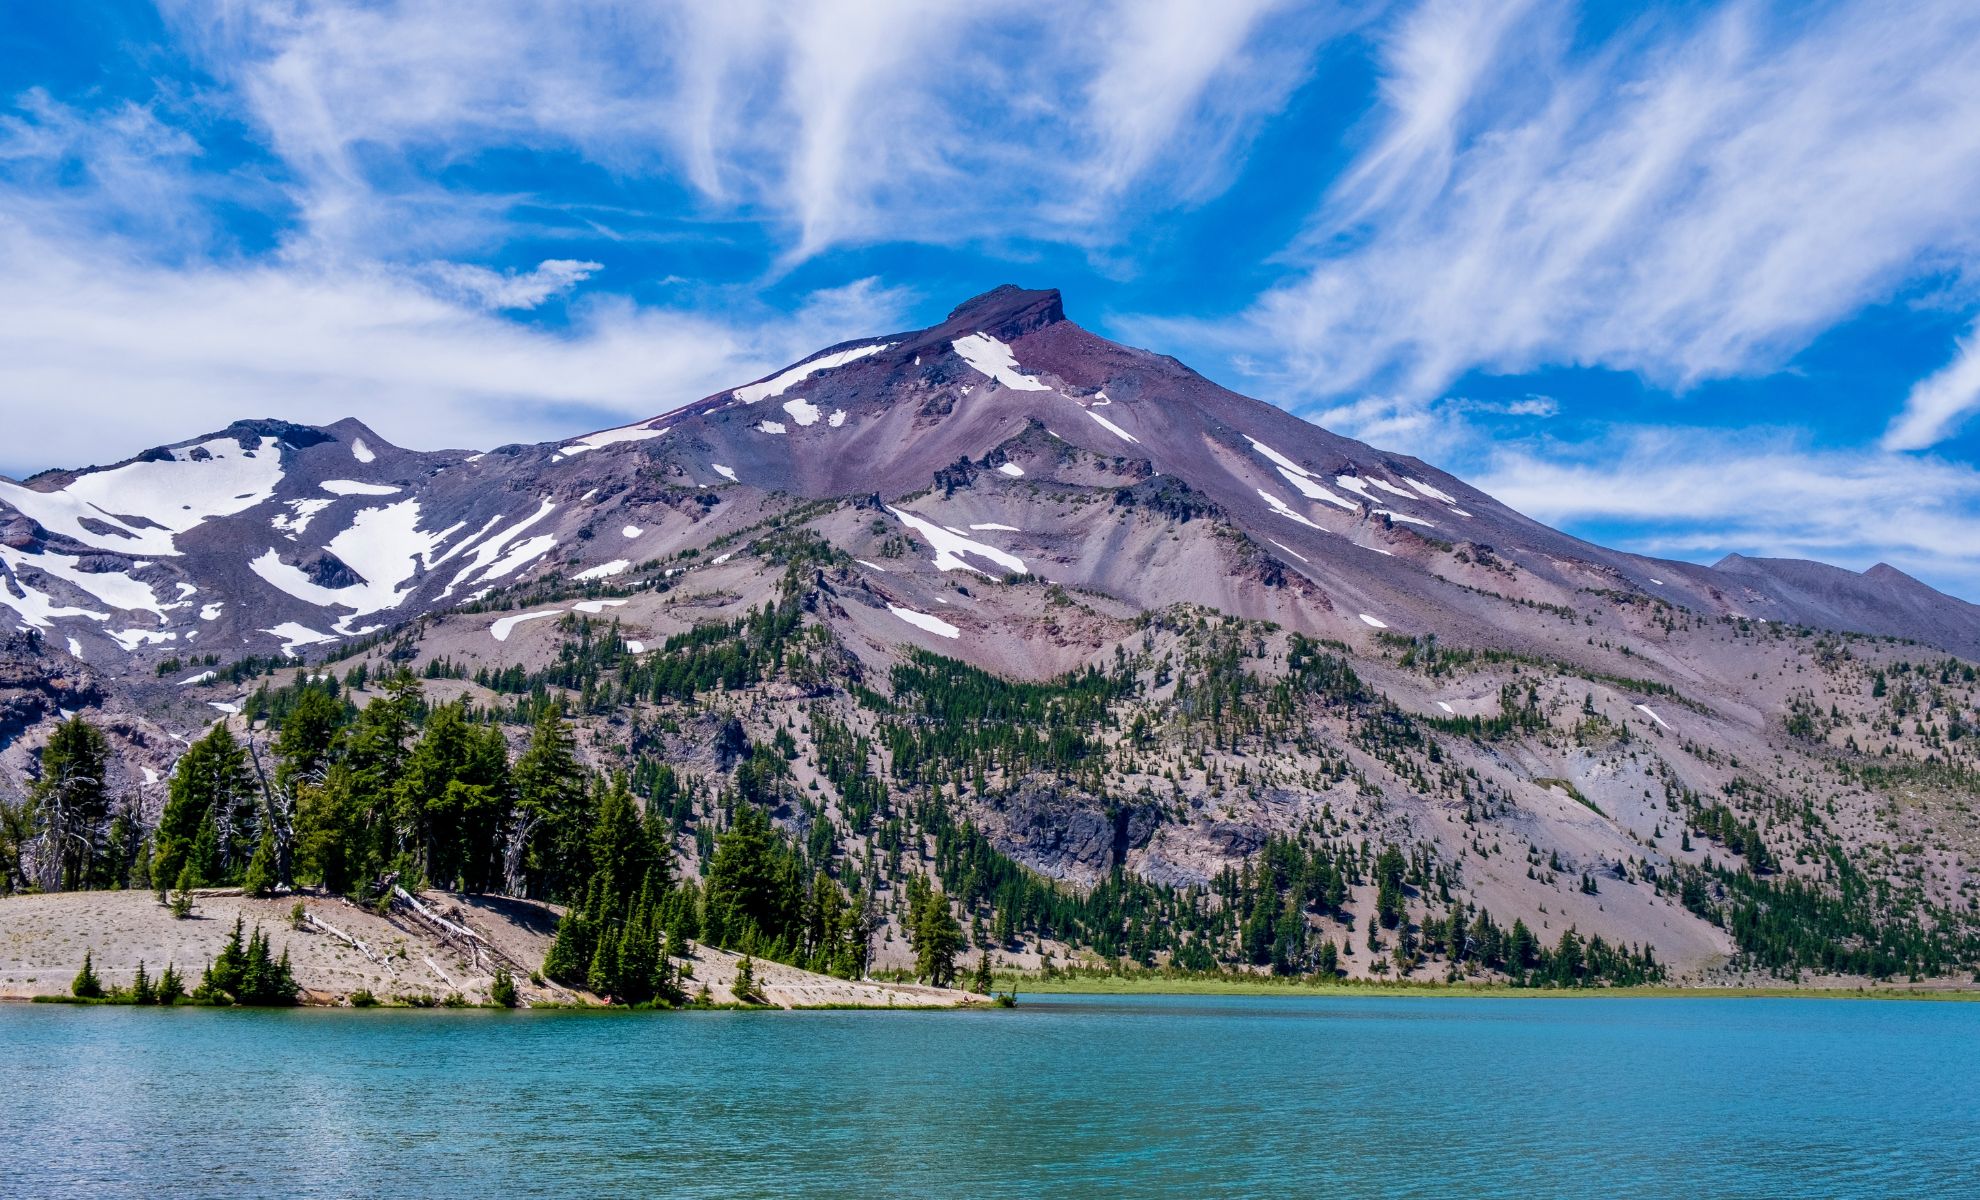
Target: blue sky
(1688,279)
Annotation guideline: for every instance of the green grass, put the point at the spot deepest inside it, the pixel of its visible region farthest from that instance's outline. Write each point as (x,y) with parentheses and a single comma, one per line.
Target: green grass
(1152,984)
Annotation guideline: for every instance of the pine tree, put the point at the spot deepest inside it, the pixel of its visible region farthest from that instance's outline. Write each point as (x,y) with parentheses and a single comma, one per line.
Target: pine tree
(744,987)
(86,985)
(209,811)
(985,981)
(71,804)
(171,988)
(142,992)
(260,877)
(937,937)
(182,897)
(503,990)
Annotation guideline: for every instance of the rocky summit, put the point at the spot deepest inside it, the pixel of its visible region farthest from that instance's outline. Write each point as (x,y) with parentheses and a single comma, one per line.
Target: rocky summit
(1058,621)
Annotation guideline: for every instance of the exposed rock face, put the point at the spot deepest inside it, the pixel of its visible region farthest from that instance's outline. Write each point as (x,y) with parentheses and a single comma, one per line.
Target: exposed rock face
(36,686)
(1066,835)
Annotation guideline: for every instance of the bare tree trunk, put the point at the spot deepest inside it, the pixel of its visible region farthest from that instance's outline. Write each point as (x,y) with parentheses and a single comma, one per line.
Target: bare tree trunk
(514,848)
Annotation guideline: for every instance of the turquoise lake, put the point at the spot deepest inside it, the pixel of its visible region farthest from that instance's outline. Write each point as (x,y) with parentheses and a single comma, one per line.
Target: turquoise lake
(1076,1096)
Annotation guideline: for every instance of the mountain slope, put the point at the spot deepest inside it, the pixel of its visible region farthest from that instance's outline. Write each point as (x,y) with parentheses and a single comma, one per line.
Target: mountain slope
(1241,632)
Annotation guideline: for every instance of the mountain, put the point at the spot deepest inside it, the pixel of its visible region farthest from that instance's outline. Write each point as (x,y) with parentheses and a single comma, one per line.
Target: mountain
(1306,640)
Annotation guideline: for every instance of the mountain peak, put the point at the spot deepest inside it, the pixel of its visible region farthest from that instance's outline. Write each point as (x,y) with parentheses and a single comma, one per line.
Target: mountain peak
(1009,311)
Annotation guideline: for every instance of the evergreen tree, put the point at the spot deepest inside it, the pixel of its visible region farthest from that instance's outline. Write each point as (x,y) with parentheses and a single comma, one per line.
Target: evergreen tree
(182,897)
(260,877)
(70,804)
(744,986)
(171,988)
(209,814)
(936,937)
(86,984)
(309,733)
(984,982)
(142,991)
(503,990)
(549,788)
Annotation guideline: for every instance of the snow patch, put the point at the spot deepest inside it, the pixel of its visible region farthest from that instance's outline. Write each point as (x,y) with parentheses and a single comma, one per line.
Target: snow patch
(1373,622)
(211,612)
(1445,705)
(141,507)
(294,634)
(75,648)
(727,473)
(488,551)
(1011,469)
(521,554)
(232,710)
(770,427)
(1308,484)
(1285,510)
(1393,515)
(594,607)
(803,411)
(362,452)
(992,525)
(1289,550)
(1429,491)
(935,625)
(202,677)
(871,566)
(385,547)
(950,547)
(1645,710)
(503,626)
(602,570)
(632,531)
(351,487)
(1312,489)
(610,437)
(297,519)
(993,358)
(131,639)
(837,418)
(636,647)
(113,588)
(1112,428)
(782,382)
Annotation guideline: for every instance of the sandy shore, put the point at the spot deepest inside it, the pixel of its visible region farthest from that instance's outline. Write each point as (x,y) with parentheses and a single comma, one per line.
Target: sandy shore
(344,948)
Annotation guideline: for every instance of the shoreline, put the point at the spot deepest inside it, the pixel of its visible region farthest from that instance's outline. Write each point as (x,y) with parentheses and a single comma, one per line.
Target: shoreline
(1133,985)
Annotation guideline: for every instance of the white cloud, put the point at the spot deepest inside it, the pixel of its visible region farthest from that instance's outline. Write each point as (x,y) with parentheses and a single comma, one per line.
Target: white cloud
(845,120)
(1704,492)
(1939,402)
(1685,201)
(512,289)
(103,354)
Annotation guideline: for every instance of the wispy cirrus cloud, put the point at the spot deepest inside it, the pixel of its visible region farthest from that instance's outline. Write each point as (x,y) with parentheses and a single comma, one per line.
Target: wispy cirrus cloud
(1687,201)
(1688,492)
(843,120)
(104,353)
(1941,401)
(512,289)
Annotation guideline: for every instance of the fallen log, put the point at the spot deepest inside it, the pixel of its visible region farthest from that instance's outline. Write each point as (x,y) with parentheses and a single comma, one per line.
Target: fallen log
(315,922)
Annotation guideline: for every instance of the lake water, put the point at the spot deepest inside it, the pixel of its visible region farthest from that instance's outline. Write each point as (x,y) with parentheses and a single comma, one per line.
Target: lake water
(1159,1096)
